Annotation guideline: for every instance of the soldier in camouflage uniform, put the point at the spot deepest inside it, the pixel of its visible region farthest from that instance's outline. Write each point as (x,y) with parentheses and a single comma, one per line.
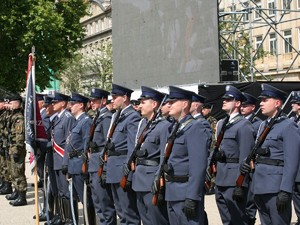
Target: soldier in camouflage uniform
(17,152)
(2,150)
(6,186)
(206,110)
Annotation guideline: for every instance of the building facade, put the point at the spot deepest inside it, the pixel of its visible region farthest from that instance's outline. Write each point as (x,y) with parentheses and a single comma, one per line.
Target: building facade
(98,27)
(272,25)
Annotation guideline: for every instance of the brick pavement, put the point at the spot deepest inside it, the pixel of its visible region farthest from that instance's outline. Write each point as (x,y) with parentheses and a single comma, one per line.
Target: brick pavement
(23,215)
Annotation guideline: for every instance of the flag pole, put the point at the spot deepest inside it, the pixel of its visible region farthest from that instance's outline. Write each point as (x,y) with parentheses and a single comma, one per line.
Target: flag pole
(36,196)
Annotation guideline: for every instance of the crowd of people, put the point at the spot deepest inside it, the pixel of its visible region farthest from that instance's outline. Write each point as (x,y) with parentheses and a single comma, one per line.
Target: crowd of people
(150,161)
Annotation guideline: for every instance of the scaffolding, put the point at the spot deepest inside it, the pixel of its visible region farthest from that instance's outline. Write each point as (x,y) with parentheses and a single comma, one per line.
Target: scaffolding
(243,19)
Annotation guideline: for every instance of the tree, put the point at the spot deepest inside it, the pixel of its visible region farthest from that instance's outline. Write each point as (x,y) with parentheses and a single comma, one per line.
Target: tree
(84,72)
(54,29)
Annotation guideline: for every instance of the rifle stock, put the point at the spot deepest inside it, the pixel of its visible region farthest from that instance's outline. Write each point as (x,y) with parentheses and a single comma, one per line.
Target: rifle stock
(91,135)
(141,139)
(161,182)
(108,140)
(260,140)
(212,169)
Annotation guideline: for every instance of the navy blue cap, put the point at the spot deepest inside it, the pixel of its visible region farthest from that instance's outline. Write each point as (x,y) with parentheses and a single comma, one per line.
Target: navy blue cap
(48,99)
(98,93)
(39,97)
(75,97)
(198,98)
(60,97)
(151,93)
(268,91)
(295,97)
(120,90)
(233,92)
(177,93)
(250,99)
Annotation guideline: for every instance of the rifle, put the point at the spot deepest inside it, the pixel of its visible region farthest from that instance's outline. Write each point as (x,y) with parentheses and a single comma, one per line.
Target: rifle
(141,139)
(212,168)
(259,141)
(254,115)
(168,149)
(108,140)
(91,135)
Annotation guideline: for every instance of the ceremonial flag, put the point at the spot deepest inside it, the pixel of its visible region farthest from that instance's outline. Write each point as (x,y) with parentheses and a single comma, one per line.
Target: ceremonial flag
(34,129)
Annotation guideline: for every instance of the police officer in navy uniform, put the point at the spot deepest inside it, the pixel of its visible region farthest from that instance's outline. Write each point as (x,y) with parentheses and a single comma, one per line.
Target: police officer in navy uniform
(235,146)
(75,146)
(295,101)
(121,147)
(248,111)
(276,166)
(52,191)
(148,157)
(196,111)
(62,125)
(185,169)
(101,193)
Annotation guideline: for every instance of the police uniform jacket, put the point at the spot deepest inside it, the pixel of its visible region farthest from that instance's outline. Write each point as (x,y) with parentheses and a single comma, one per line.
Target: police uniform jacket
(61,128)
(99,139)
(208,130)
(282,143)
(237,143)
(255,123)
(77,143)
(298,173)
(188,158)
(123,140)
(151,149)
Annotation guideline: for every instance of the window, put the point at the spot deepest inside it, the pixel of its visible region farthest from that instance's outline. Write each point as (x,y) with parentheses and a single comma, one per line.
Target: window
(257,11)
(97,27)
(102,24)
(271,5)
(92,28)
(273,44)
(89,29)
(286,4)
(259,47)
(288,41)
(298,4)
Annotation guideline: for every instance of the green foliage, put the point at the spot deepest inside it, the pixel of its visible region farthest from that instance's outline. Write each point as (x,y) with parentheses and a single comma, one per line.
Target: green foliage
(84,72)
(236,44)
(53,29)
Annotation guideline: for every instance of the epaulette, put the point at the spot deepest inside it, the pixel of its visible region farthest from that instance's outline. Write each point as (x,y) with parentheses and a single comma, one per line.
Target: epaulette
(86,117)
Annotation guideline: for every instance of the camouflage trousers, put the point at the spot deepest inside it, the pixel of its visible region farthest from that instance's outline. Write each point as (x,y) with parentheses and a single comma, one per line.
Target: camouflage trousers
(17,173)
(4,170)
